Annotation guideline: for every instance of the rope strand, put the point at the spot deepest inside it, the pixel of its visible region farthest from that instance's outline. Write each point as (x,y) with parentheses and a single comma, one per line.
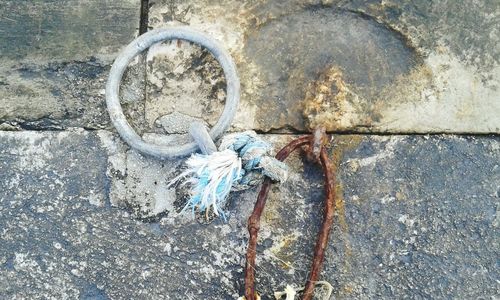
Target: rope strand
(242,161)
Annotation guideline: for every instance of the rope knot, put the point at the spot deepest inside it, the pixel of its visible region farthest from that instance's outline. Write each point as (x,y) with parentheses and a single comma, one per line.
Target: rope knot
(255,158)
(242,160)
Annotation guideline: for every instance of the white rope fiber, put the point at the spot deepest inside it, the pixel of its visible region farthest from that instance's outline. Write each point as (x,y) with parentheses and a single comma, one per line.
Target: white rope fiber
(242,161)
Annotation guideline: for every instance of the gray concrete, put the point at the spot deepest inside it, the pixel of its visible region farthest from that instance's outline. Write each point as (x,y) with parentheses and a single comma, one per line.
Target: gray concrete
(55,58)
(417,218)
(82,216)
(65,30)
(400,67)
(403,66)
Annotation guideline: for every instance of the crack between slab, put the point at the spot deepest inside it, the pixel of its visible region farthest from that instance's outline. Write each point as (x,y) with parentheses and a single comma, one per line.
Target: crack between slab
(375,133)
(143,28)
(144,17)
(278,132)
(20,126)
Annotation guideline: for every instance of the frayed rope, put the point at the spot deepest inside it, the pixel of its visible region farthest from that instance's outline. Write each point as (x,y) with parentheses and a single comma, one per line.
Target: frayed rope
(290,292)
(241,162)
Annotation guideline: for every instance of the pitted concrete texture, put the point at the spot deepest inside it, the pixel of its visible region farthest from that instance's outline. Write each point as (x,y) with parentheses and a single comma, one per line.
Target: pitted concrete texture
(403,66)
(55,58)
(417,217)
(67,30)
(83,216)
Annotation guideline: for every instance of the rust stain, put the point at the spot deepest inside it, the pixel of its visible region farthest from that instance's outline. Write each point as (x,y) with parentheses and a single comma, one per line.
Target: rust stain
(348,289)
(330,102)
(325,94)
(281,251)
(341,144)
(271,216)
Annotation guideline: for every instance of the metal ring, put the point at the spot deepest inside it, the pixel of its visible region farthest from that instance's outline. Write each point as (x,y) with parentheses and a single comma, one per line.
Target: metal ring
(142,43)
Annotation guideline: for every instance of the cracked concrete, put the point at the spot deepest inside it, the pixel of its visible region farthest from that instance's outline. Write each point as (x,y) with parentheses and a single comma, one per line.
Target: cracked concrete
(83,216)
(55,59)
(413,211)
(408,67)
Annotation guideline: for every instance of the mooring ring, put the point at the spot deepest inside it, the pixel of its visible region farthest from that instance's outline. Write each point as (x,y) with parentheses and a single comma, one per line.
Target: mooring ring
(142,43)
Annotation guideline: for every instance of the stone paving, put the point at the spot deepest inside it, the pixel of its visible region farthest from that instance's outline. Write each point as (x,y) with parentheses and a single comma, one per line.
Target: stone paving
(409,91)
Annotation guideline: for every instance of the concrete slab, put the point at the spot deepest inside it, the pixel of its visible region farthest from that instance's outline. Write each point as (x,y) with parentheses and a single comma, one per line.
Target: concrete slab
(399,66)
(55,58)
(83,216)
(68,30)
(392,67)
(417,217)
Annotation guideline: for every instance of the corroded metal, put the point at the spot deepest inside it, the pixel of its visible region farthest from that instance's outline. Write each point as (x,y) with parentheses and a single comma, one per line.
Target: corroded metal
(315,149)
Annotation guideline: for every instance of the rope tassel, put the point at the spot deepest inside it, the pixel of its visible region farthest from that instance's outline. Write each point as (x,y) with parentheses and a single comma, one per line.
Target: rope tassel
(241,161)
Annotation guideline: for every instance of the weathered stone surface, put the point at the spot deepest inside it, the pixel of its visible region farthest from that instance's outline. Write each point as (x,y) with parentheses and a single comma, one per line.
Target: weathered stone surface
(54,95)
(403,66)
(67,94)
(52,166)
(417,217)
(65,30)
(55,58)
(181,79)
(426,211)
(83,216)
(139,183)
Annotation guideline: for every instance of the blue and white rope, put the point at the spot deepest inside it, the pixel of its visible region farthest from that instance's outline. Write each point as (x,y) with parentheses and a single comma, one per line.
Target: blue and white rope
(241,161)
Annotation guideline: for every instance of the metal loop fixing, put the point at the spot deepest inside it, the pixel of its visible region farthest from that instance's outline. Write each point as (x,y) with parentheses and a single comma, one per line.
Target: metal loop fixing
(142,43)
